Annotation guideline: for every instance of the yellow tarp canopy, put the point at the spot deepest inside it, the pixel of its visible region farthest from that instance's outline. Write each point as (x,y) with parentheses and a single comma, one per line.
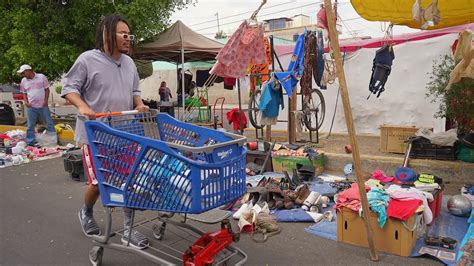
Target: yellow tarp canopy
(399,12)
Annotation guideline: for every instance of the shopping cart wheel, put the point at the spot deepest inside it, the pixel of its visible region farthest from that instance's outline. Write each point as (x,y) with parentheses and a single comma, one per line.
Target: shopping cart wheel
(95,255)
(159,231)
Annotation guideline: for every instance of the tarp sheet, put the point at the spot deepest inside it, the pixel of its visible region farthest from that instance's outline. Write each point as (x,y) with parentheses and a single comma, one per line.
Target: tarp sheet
(399,12)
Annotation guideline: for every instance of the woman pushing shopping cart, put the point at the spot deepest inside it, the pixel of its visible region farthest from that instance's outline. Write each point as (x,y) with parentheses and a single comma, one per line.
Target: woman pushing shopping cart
(150,161)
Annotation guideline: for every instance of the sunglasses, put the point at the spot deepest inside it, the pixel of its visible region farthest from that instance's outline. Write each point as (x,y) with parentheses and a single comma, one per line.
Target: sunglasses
(127,36)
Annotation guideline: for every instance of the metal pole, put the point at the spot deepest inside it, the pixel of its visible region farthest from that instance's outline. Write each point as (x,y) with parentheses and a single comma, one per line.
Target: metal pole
(240,108)
(218,26)
(350,126)
(182,83)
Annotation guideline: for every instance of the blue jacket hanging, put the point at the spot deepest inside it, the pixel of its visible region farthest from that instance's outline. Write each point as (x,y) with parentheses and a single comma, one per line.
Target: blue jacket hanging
(272,98)
(290,78)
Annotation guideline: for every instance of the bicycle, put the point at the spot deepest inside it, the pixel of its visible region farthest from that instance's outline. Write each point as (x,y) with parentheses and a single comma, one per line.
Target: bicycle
(313,108)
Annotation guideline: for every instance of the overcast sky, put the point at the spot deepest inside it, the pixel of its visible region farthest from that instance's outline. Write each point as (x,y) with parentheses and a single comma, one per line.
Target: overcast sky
(202,16)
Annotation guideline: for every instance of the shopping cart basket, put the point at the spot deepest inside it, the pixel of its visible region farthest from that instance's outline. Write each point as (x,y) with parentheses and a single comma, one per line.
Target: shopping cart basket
(150,161)
(159,163)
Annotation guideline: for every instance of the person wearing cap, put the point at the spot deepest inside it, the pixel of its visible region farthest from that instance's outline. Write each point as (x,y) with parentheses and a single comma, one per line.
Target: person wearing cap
(35,86)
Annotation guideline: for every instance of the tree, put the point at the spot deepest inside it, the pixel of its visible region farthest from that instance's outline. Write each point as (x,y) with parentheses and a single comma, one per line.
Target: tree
(50,34)
(455,104)
(220,35)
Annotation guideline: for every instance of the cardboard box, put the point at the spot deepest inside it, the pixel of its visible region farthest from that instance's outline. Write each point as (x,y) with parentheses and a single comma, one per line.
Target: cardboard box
(392,138)
(288,163)
(393,238)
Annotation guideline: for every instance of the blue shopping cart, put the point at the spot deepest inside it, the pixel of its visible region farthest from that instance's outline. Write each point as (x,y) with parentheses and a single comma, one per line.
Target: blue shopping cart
(151,161)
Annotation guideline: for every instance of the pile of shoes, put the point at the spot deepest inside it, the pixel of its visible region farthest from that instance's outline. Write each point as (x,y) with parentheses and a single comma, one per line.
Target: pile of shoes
(272,194)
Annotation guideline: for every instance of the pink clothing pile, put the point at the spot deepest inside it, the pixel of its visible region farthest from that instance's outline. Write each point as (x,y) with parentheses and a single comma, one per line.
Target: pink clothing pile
(245,44)
(350,198)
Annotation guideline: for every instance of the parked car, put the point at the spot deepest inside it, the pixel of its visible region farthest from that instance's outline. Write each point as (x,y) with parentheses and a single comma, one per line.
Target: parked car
(15,89)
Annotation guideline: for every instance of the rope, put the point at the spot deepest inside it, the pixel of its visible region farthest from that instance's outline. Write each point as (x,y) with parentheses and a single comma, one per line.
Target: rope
(337,99)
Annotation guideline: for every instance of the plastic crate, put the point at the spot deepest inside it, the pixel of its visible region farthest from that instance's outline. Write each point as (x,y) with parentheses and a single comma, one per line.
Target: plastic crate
(190,169)
(422,148)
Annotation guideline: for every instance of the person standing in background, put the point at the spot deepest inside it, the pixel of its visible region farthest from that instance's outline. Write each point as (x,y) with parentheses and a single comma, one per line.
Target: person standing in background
(35,86)
(165,92)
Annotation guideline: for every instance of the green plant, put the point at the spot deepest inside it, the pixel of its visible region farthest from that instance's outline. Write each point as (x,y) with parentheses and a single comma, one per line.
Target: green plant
(144,68)
(58,89)
(456,104)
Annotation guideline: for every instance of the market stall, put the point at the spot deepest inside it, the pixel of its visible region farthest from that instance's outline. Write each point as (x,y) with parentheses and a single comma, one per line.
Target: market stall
(179,44)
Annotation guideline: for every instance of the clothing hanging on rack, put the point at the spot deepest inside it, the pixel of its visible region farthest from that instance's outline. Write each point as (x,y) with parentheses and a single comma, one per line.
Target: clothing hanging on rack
(201,77)
(234,116)
(188,78)
(290,78)
(229,83)
(246,43)
(310,64)
(270,102)
(320,58)
(381,69)
(262,69)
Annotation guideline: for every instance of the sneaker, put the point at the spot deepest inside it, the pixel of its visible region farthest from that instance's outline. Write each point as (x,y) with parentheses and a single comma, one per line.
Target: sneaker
(88,223)
(137,239)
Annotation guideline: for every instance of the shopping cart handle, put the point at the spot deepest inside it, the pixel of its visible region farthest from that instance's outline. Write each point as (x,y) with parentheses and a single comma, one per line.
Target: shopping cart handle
(99,115)
(237,139)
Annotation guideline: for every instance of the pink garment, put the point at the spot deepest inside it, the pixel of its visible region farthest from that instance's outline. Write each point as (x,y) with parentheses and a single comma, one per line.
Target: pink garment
(245,44)
(380,175)
(350,198)
(402,209)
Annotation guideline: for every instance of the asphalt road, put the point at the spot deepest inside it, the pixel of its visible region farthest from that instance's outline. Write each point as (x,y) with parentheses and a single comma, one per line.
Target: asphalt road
(39,226)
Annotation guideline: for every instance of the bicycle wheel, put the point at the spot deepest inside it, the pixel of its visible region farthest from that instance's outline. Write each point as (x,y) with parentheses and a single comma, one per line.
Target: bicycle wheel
(315,108)
(255,116)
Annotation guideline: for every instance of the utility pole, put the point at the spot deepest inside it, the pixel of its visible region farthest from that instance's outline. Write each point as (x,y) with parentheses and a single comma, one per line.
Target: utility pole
(218,27)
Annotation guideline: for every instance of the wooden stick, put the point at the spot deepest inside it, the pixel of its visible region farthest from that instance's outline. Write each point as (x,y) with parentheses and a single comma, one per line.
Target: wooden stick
(268,133)
(350,125)
(291,117)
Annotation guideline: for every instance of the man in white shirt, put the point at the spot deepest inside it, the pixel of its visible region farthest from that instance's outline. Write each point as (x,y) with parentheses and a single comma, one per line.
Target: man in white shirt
(35,86)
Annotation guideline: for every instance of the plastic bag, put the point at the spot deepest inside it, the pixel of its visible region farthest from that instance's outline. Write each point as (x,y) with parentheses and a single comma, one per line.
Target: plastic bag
(47,139)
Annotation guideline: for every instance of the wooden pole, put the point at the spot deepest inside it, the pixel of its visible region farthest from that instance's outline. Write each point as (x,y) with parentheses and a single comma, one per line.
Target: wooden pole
(291,117)
(350,124)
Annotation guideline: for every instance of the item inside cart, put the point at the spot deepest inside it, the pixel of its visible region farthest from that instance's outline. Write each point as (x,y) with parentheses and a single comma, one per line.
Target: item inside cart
(151,161)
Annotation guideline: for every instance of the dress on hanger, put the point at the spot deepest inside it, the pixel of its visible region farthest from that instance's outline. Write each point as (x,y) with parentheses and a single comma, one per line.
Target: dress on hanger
(245,44)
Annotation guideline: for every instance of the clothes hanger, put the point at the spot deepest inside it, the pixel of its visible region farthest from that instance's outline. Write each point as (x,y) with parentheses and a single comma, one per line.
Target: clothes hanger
(387,39)
(253,19)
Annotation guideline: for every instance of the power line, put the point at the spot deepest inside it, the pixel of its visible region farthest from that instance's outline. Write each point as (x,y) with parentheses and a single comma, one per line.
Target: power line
(263,15)
(243,13)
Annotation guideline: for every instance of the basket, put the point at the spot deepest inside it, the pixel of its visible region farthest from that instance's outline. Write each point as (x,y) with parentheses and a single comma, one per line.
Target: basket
(422,148)
(159,163)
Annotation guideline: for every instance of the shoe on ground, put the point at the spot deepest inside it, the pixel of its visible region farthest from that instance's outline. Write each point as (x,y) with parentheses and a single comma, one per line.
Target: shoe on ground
(88,224)
(137,239)
(244,208)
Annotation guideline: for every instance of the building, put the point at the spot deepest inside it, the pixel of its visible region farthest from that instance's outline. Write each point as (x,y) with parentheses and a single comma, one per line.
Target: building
(291,28)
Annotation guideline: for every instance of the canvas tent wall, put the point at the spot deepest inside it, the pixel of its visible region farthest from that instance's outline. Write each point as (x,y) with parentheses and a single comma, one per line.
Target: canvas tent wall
(404,101)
